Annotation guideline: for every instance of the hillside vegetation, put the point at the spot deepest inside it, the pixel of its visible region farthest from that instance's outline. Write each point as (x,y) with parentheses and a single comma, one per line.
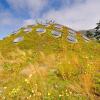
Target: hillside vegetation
(42,67)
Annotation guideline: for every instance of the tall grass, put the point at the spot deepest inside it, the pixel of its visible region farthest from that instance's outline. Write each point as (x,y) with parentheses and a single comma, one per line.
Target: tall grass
(53,70)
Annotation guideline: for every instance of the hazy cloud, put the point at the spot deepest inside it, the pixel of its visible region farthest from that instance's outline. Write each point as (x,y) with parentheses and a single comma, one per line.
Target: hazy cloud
(28,22)
(8,22)
(29,7)
(79,16)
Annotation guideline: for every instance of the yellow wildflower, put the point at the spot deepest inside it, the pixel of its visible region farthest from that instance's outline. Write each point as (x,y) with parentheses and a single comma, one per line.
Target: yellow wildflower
(27,81)
(49,94)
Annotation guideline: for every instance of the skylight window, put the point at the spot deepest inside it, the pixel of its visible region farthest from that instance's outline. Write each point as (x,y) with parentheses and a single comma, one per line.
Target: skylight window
(41,30)
(58,26)
(72,39)
(56,33)
(19,39)
(27,30)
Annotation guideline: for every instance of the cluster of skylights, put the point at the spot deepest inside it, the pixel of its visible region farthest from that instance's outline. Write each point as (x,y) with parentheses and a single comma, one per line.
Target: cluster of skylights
(55,33)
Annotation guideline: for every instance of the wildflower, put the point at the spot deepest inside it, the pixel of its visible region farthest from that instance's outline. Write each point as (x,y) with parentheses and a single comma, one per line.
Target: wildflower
(49,94)
(56,86)
(35,84)
(27,81)
(70,92)
(60,95)
(86,57)
(3,98)
(32,91)
(34,94)
(88,64)
(66,90)
(30,96)
(14,92)
(85,72)
(30,75)
(5,87)
(67,94)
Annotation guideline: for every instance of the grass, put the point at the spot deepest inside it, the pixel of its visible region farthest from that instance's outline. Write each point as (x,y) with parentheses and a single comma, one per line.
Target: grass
(46,68)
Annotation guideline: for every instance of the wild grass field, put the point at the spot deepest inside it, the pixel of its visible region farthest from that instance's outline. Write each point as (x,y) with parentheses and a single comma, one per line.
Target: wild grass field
(42,67)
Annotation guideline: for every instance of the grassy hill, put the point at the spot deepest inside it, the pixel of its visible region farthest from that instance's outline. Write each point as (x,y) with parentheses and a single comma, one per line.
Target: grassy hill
(43,67)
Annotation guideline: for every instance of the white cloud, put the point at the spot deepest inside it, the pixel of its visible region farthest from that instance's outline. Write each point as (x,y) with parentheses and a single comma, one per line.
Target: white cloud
(28,22)
(7,18)
(31,7)
(10,22)
(79,16)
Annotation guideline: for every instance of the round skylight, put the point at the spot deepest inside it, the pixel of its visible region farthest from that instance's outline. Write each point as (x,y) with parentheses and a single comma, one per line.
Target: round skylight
(58,26)
(56,33)
(72,39)
(40,30)
(18,39)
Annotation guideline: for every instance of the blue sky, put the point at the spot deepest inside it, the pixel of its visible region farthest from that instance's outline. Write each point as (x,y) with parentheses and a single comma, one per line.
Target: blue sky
(78,14)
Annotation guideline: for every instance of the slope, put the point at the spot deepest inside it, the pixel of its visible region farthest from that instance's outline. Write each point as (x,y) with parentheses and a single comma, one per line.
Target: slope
(49,62)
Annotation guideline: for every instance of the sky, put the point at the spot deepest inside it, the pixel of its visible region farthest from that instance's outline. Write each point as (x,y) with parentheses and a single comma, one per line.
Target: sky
(77,14)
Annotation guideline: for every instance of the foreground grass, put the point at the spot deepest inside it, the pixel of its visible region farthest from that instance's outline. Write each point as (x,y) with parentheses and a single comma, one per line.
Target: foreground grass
(45,68)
